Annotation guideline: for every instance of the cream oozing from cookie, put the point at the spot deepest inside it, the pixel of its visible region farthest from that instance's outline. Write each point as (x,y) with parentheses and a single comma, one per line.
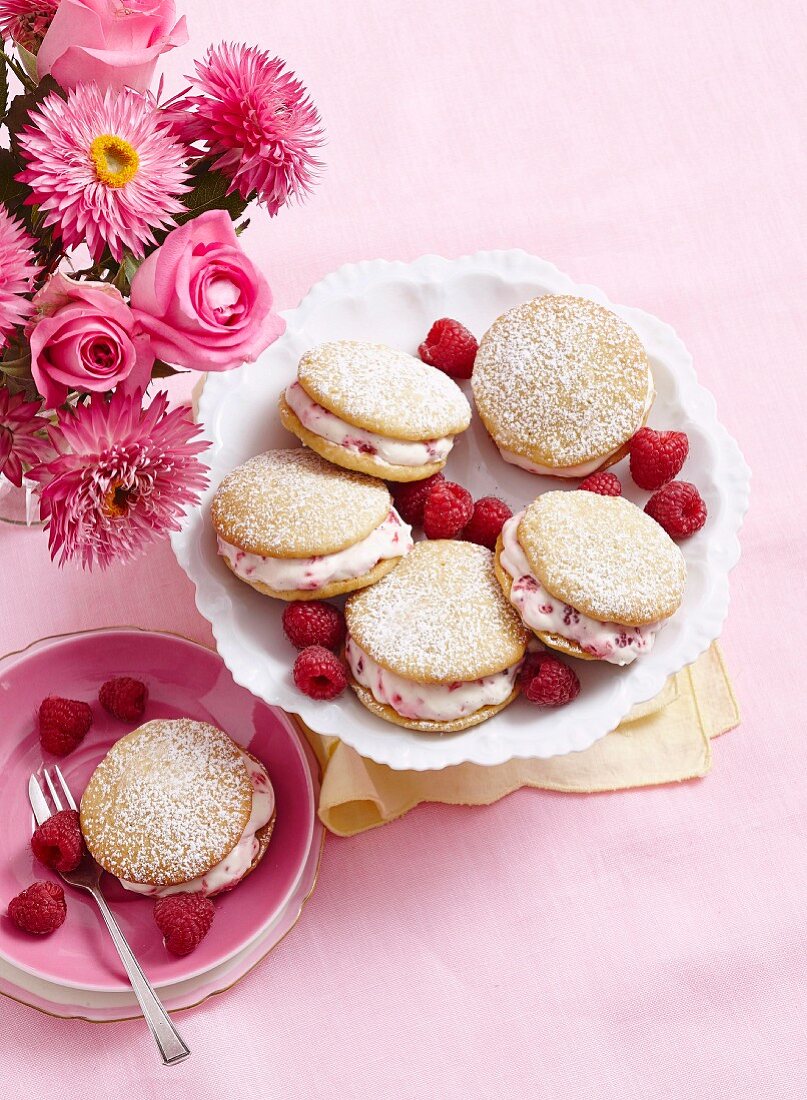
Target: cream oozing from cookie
(396,452)
(391,539)
(581,469)
(611,642)
(229,871)
(428,702)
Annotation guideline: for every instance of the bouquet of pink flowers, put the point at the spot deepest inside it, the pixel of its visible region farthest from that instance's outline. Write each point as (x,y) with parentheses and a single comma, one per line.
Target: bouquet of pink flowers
(120,259)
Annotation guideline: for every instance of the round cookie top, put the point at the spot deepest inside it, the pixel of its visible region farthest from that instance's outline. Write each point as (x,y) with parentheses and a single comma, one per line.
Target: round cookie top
(294,504)
(561,381)
(603,556)
(167,802)
(384,390)
(439,617)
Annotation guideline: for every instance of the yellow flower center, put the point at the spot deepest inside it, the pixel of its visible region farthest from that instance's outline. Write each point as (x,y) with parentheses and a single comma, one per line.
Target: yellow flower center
(115,160)
(116,501)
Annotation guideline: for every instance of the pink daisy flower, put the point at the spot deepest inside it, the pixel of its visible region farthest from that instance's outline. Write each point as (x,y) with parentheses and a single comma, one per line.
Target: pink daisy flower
(103,168)
(257,120)
(26,22)
(19,442)
(123,478)
(18,269)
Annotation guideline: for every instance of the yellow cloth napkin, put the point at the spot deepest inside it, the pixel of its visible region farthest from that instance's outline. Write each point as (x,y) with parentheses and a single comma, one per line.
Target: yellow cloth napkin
(665,740)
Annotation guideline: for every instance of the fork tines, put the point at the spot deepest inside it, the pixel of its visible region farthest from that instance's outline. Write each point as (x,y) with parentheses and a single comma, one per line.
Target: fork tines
(58,789)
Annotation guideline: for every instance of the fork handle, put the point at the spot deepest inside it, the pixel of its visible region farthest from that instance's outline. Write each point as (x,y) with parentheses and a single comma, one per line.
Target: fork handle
(171,1046)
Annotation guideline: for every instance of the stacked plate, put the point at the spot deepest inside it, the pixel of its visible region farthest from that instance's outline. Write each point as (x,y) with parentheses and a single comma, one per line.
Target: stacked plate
(76,971)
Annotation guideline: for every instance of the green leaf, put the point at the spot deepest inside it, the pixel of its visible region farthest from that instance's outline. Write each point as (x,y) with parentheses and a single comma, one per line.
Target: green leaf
(12,193)
(16,374)
(22,105)
(210,193)
(131,265)
(126,272)
(162,370)
(120,282)
(3,89)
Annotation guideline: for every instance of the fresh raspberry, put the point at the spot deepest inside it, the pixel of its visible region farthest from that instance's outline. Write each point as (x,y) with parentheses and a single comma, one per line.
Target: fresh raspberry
(184,920)
(410,497)
(679,508)
(485,525)
(124,698)
(605,483)
(447,509)
(58,842)
(547,681)
(63,724)
(656,457)
(450,347)
(39,909)
(312,622)
(319,673)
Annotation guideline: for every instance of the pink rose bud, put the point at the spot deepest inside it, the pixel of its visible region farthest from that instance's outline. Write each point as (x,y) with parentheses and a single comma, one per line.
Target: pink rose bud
(201,299)
(86,339)
(111,44)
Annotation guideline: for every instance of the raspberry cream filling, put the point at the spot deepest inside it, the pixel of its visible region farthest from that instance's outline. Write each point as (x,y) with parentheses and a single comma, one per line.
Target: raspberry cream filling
(230,871)
(396,452)
(611,642)
(428,702)
(582,469)
(391,539)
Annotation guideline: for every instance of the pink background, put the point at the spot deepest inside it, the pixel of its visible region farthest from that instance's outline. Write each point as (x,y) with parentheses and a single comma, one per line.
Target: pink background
(649,944)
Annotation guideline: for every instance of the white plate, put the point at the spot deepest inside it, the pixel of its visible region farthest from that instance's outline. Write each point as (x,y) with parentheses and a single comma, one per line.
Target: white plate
(396,303)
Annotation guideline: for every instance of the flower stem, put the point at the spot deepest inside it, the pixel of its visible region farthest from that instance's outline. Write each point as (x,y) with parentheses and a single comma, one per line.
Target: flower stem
(19,72)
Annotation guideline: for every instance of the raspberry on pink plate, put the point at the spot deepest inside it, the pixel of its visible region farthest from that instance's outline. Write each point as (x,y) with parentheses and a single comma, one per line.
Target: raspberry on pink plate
(184,920)
(58,842)
(40,909)
(63,724)
(124,698)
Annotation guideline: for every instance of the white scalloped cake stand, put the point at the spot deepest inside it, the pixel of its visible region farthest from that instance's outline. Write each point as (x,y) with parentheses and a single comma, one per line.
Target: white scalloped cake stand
(395,303)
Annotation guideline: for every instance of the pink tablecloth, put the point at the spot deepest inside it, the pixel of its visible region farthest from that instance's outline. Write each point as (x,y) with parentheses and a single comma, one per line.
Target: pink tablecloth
(649,944)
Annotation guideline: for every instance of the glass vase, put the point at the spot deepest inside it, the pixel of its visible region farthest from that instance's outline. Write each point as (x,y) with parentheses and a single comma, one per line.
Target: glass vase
(19,505)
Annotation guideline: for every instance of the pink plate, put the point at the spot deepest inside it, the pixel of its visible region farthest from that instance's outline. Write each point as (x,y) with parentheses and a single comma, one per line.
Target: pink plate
(183,679)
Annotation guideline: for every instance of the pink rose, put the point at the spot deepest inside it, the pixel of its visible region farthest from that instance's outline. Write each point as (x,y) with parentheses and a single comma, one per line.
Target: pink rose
(202,301)
(86,338)
(109,42)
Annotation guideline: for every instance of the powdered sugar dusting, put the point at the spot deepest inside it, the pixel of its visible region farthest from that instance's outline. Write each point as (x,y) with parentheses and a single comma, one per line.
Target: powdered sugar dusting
(561,380)
(603,556)
(384,390)
(167,802)
(294,504)
(439,617)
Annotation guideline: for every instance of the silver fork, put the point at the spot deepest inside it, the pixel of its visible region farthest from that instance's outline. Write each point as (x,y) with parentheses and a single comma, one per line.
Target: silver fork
(87,876)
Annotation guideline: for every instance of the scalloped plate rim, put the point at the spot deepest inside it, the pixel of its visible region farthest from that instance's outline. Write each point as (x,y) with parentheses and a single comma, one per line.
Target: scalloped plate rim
(659,337)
